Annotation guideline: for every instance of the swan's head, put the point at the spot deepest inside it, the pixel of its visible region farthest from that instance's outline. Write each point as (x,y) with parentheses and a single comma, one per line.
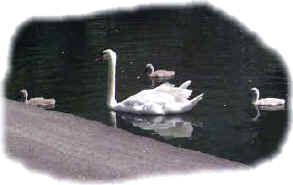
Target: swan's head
(23,93)
(254,90)
(255,95)
(149,68)
(107,55)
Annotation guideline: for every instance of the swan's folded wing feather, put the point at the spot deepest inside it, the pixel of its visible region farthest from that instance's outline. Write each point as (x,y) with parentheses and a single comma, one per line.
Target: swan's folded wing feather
(145,102)
(157,97)
(178,93)
(35,101)
(148,97)
(42,101)
(37,98)
(271,101)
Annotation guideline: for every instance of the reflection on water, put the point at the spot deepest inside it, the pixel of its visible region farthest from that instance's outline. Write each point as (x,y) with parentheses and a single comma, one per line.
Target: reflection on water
(113,118)
(266,108)
(56,59)
(170,126)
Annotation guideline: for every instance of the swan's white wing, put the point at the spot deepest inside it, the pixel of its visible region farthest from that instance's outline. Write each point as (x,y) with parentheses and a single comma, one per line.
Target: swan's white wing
(271,101)
(164,94)
(36,100)
(149,96)
(179,94)
(160,100)
(149,102)
(185,85)
(41,101)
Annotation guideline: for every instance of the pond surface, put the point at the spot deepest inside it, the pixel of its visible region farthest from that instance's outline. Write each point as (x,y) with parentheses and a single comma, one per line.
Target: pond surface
(223,60)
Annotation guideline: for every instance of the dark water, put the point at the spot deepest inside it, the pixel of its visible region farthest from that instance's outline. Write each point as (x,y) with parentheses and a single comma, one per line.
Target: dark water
(223,60)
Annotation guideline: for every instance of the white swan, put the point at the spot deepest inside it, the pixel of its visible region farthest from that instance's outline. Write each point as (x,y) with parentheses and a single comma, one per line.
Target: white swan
(150,70)
(38,101)
(164,99)
(265,102)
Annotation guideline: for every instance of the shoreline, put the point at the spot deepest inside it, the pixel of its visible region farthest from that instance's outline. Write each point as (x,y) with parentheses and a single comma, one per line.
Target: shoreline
(71,147)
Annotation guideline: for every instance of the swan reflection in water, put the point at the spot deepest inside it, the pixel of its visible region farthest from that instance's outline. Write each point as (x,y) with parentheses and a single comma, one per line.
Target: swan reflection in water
(170,126)
(266,108)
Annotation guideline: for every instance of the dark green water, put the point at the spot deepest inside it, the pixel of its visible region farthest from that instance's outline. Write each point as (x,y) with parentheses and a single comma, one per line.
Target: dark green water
(56,59)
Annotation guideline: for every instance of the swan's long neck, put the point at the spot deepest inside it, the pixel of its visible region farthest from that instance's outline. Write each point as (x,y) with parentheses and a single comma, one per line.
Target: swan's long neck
(255,97)
(111,101)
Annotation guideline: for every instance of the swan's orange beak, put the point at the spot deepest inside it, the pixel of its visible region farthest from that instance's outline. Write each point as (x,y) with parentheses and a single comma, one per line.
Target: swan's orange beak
(99,59)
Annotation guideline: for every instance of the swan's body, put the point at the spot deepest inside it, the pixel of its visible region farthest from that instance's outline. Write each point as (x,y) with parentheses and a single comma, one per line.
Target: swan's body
(158,73)
(164,99)
(265,102)
(38,101)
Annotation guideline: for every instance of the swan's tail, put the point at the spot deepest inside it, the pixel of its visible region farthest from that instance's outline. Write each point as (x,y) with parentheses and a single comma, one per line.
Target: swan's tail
(185,85)
(195,100)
